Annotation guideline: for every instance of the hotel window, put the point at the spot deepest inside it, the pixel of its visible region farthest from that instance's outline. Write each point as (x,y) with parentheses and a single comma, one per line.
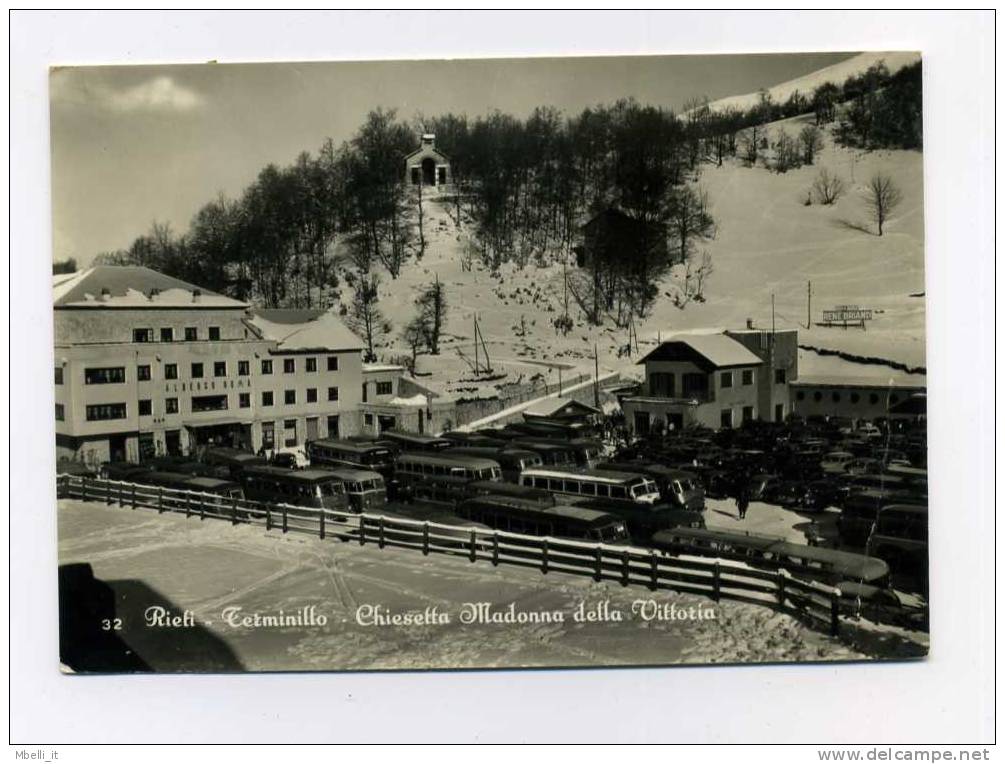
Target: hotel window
(59,412)
(266,367)
(143,373)
(267,398)
(170,371)
(145,407)
(333,393)
(108,376)
(726,418)
(290,397)
(726,379)
(289,365)
(167,334)
(662,384)
(268,434)
(312,395)
(779,376)
(244,400)
(214,333)
(747,377)
(191,334)
(368,420)
(312,364)
(243,368)
(196,371)
(59,375)
(170,405)
(143,335)
(385,388)
(333,426)
(209,403)
(219,368)
(333,363)
(105,411)
(289,432)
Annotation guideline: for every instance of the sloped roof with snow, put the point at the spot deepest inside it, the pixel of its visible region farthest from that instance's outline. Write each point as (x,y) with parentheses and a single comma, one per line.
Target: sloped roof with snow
(324,333)
(132,286)
(551,406)
(707,350)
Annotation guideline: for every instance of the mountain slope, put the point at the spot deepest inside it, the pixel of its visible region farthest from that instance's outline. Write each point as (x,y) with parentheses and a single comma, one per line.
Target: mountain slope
(836,74)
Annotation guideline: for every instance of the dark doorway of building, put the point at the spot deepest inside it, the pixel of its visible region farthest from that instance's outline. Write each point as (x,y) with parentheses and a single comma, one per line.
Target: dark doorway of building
(641,422)
(231,435)
(441,175)
(312,428)
(172,442)
(428,172)
(675,422)
(148,449)
(779,412)
(422,422)
(333,426)
(385,423)
(117,448)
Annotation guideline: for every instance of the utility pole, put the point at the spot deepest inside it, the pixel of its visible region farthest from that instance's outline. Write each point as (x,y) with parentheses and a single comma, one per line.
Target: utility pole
(596,377)
(559,381)
(474,334)
(809,300)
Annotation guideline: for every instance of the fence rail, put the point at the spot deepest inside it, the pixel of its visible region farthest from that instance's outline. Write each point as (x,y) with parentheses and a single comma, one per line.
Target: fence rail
(653,569)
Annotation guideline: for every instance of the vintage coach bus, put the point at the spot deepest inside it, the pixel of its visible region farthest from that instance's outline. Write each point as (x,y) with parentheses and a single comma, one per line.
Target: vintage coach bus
(318,489)
(507,513)
(353,454)
(442,477)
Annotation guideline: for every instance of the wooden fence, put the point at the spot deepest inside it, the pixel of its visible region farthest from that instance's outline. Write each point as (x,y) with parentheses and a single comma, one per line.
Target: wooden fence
(628,565)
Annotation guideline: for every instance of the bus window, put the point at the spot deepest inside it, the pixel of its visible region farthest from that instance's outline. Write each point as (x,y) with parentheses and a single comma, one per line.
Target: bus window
(589,489)
(604,490)
(618,492)
(571,486)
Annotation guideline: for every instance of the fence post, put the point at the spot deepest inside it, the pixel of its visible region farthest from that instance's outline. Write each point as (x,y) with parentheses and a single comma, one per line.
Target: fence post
(362,529)
(716,581)
(495,548)
(202,507)
(321,523)
(121,491)
(108,492)
(425,537)
(654,571)
(625,570)
(286,518)
(380,532)
(544,556)
(835,623)
(780,582)
(598,568)
(83,488)
(134,495)
(233,510)
(268,517)
(474,554)
(188,504)
(160,499)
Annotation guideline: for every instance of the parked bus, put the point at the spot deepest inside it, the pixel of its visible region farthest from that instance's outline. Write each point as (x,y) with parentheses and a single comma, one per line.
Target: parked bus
(353,454)
(127,471)
(232,461)
(442,477)
(366,489)
(602,484)
(410,441)
(828,566)
(860,511)
(553,453)
(537,495)
(901,538)
(507,513)
(677,487)
(513,461)
(318,489)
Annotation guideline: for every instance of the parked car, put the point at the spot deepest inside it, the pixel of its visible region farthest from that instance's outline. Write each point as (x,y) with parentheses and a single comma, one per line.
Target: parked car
(835,462)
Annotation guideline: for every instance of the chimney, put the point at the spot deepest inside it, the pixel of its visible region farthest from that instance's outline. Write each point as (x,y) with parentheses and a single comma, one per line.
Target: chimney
(750,323)
(105,294)
(196,294)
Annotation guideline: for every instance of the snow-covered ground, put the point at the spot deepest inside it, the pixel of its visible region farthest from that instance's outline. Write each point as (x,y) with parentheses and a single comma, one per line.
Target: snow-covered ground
(206,567)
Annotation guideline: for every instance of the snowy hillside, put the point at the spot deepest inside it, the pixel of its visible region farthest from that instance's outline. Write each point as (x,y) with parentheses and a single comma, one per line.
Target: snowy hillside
(767,242)
(836,74)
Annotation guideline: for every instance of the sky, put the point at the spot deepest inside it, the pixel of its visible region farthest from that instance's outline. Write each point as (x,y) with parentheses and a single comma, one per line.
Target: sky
(135,144)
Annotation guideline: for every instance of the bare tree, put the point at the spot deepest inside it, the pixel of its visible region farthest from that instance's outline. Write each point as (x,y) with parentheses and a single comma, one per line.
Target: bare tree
(810,141)
(881,198)
(787,154)
(421,218)
(827,188)
(414,335)
(750,144)
(364,315)
(432,305)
